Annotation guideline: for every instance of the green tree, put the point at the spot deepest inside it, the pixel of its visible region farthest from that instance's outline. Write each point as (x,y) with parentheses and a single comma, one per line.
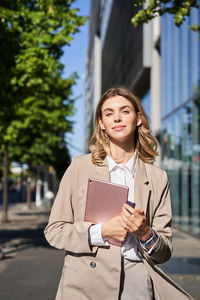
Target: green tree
(153,8)
(9,49)
(40,125)
(35,98)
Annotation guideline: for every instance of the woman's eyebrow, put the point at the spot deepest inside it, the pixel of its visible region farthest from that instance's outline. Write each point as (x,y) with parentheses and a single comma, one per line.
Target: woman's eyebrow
(125,106)
(109,109)
(121,108)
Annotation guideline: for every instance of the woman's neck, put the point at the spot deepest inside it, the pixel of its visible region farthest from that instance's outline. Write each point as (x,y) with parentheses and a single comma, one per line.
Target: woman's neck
(121,154)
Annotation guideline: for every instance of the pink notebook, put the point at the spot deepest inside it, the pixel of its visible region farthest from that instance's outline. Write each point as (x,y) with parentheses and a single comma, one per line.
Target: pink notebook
(104,201)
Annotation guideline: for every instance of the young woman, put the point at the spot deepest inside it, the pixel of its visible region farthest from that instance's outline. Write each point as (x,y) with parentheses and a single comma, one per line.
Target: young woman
(122,151)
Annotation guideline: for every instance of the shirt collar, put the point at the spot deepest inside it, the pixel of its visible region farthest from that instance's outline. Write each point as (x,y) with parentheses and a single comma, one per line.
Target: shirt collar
(130,165)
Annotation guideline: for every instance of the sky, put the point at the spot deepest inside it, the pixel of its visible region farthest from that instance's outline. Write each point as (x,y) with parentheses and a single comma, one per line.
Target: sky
(74,59)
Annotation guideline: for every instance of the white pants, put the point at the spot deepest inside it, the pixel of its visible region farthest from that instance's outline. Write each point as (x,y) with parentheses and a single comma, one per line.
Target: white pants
(135,281)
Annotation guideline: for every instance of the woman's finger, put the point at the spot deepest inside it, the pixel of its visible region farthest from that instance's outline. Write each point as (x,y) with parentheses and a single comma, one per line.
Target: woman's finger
(123,224)
(124,218)
(129,209)
(140,211)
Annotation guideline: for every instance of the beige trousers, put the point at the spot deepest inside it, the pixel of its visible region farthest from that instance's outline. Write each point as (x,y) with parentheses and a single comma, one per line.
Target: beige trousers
(135,281)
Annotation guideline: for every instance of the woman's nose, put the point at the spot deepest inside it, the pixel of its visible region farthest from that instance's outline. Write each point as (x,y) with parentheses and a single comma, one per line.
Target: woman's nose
(117,117)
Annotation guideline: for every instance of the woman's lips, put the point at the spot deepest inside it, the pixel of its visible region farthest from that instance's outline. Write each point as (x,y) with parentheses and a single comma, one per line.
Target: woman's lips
(118,128)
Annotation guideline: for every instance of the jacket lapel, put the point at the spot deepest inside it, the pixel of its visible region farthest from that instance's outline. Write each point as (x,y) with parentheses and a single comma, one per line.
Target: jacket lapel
(102,172)
(142,188)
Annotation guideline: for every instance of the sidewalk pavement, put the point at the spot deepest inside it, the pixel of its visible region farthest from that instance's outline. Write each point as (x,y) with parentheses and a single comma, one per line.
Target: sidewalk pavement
(25,231)
(17,233)
(30,269)
(184,265)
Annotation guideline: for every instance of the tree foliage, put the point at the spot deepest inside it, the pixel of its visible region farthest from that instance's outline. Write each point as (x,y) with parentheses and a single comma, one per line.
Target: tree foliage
(35,100)
(179,8)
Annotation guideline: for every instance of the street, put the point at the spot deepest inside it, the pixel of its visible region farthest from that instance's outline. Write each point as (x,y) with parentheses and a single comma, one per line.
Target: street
(32,274)
(31,269)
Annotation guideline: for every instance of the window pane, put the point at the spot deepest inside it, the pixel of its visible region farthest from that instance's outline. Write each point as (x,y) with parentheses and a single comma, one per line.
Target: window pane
(186,169)
(196,167)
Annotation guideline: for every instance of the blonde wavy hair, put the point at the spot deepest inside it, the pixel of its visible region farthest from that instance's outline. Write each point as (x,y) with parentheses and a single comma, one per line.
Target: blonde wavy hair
(145,143)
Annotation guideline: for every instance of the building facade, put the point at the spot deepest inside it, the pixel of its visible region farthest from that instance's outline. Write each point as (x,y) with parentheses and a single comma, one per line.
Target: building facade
(160,63)
(180,118)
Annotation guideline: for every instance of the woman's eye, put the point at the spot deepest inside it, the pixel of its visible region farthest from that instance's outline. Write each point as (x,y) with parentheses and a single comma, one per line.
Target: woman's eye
(126,111)
(108,114)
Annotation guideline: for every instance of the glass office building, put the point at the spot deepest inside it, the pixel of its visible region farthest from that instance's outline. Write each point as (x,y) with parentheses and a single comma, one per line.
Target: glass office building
(146,103)
(180,118)
(133,60)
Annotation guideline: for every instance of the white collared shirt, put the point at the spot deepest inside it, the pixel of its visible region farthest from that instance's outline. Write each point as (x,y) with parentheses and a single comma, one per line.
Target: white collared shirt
(121,174)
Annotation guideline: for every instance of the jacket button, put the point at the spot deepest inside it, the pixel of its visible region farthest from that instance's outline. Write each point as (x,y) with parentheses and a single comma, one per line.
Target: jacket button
(92,264)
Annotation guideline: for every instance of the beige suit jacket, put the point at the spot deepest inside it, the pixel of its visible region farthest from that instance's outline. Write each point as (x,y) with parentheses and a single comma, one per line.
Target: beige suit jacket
(94,272)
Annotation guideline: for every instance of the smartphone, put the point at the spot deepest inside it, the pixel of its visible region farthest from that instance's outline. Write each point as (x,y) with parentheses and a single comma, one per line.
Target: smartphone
(132,204)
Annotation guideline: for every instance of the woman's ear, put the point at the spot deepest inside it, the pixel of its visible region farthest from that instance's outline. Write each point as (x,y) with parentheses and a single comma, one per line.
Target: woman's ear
(139,121)
(101,124)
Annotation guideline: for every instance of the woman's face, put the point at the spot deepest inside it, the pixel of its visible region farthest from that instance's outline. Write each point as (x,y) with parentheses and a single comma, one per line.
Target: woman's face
(119,119)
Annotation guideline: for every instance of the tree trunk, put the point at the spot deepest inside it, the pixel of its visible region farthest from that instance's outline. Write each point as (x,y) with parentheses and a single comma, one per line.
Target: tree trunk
(5,187)
(28,189)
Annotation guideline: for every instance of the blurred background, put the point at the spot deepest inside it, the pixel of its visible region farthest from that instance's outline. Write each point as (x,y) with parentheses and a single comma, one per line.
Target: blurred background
(57,58)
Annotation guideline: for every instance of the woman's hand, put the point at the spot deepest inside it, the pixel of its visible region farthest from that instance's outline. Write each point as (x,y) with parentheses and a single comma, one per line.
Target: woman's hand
(113,229)
(134,221)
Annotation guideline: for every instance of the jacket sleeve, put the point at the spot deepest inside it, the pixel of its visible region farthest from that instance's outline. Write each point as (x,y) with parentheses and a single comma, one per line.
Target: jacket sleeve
(161,222)
(62,232)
